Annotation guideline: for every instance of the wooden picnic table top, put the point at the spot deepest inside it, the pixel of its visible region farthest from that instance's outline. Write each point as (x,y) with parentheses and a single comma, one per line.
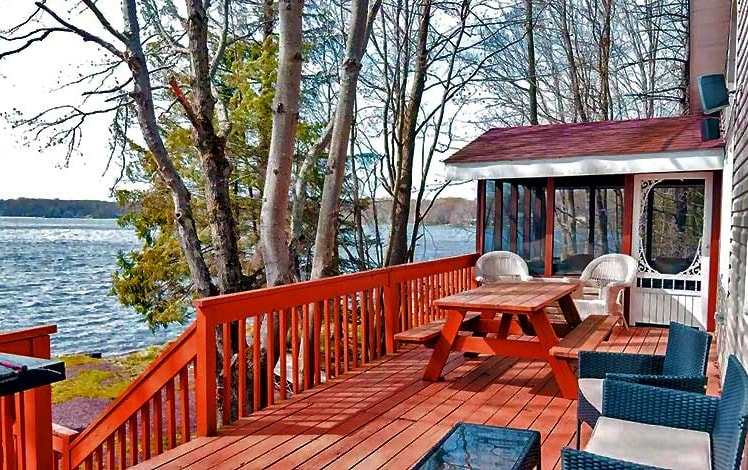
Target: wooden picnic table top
(517,297)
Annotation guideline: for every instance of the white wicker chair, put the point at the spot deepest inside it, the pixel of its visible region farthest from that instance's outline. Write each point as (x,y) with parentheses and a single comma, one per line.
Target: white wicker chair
(611,274)
(496,266)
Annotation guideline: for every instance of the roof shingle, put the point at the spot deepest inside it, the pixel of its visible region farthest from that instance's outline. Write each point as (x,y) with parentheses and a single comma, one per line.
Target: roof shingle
(639,136)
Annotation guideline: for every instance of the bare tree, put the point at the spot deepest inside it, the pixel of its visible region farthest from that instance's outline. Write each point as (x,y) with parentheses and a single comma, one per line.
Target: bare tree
(126,48)
(325,243)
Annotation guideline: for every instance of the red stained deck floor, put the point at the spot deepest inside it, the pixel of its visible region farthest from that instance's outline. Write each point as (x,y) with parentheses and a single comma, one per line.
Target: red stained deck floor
(385,416)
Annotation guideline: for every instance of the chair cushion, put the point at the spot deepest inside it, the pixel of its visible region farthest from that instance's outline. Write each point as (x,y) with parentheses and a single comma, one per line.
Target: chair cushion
(647,444)
(592,389)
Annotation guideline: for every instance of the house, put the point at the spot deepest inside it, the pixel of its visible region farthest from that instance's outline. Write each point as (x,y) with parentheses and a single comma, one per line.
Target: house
(662,190)
(560,195)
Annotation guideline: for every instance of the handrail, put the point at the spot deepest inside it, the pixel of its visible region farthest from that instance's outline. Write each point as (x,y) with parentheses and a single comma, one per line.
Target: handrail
(27,333)
(122,412)
(398,273)
(355,316)
(342,322)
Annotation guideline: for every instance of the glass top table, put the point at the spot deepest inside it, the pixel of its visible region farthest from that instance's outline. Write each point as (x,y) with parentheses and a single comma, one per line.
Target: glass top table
(478,446)
(21,373)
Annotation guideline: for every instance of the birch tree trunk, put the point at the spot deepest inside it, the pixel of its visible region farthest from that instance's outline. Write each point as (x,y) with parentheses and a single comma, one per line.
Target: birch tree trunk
(273,223)
(325,240)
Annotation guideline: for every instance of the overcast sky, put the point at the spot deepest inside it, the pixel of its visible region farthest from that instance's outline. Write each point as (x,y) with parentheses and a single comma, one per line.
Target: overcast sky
(27,83)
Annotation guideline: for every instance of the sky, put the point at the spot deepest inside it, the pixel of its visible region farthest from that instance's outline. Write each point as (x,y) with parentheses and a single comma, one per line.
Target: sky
(28,83)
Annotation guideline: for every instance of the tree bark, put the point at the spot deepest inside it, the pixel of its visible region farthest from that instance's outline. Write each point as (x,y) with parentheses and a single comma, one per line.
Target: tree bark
(576,92)
(211,147)
(143,96)
(300,186)
(532,76)
(325,241)
(273,223)
(397,251)
(604,62)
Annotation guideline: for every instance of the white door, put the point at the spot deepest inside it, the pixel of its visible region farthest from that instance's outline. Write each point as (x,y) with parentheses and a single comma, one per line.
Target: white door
(671,236)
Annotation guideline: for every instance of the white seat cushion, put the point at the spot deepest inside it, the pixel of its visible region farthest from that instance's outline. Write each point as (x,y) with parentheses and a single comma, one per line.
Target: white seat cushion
(592,389)
(648,444)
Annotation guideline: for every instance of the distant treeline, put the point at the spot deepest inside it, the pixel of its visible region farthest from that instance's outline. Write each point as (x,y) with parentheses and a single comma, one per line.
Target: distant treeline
(445,210)
(58,208)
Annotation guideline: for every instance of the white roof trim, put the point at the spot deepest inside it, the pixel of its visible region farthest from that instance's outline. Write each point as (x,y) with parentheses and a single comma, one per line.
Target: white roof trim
(696,160)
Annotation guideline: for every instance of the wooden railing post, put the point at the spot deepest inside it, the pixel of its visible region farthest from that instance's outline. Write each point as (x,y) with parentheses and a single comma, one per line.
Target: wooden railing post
(205,376)
(391,314)
(33,407)
(38,414)
(61,437)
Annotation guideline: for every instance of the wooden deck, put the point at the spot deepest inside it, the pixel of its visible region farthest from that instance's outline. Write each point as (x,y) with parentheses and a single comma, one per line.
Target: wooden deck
(385,416)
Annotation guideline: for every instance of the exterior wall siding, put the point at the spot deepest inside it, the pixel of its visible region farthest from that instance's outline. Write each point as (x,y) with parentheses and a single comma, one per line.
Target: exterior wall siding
(732,316)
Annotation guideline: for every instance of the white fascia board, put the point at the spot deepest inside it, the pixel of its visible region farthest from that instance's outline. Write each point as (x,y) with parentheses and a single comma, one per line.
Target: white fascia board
(666,162)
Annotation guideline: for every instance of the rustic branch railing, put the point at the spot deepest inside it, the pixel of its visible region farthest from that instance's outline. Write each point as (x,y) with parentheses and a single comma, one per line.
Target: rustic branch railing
(152,415)
(333,325)
(26,417)
(327,327)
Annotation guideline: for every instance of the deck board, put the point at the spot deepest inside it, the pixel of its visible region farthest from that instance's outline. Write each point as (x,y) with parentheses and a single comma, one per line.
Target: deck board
(385,416)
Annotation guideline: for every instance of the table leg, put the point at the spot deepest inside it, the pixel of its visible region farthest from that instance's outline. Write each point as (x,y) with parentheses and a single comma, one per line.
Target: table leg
(569,309)
(443,345)
(506,323)
(565,377)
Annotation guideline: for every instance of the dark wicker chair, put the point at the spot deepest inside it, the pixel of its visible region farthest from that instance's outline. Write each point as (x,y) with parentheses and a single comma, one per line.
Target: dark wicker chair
(683,367)
(668,415)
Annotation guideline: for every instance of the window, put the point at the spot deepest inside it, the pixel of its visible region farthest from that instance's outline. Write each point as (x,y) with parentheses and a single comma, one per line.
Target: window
(515,220)
(672,225)
(588,221)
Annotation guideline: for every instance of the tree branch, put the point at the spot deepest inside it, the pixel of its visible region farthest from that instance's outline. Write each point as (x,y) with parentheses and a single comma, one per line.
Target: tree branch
(104,22)
(179,94)
(85,35)
(222,42)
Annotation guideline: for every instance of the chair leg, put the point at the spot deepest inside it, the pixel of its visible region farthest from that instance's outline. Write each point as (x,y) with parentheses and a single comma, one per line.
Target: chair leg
(579,432)
(623,321)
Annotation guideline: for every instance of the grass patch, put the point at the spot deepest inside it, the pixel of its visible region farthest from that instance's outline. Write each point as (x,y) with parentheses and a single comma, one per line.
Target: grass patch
(101,378)
(93,383)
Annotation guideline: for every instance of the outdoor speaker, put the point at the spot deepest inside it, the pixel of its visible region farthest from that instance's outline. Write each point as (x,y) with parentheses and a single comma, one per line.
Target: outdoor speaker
(710,129)
(713,93)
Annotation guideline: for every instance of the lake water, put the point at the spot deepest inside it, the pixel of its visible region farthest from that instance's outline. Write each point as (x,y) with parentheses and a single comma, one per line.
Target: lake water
(59,271)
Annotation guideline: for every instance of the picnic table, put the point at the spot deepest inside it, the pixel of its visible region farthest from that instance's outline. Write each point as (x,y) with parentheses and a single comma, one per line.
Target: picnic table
(497,304)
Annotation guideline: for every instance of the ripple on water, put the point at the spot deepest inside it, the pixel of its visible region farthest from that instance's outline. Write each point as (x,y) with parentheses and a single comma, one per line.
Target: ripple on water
(59,271)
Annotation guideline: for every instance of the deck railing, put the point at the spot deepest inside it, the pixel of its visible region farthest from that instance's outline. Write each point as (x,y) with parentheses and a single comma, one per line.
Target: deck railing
(327,327)
(342,322)
(26,417)
(150,416)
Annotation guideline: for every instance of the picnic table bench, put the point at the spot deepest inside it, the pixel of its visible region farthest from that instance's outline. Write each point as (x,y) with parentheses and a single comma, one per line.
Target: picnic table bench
(427,333)
(587,336)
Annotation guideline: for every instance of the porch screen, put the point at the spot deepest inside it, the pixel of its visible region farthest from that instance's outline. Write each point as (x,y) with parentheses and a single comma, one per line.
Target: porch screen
(588,221)
(515,220)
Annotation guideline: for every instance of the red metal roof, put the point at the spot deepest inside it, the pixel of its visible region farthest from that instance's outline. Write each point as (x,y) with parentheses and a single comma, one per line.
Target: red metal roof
(638,136)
